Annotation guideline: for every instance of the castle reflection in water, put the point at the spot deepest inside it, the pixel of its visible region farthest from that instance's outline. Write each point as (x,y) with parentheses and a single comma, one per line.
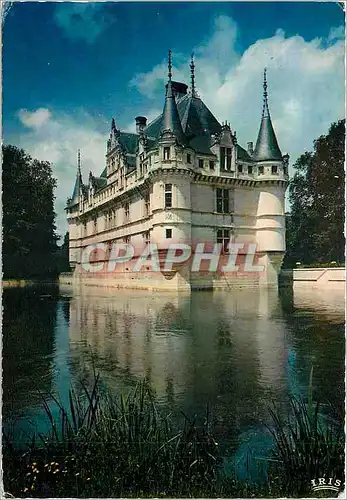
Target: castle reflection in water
(237,350)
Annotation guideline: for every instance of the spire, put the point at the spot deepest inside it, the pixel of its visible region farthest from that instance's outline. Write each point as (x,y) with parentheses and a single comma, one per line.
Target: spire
(77,192)
(267,146)
(265,103)
(169,65)
(113,125)
(192,73)
(78,162)
(171,120)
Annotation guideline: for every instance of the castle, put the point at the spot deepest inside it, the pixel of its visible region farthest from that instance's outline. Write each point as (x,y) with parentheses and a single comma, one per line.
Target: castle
(183,178)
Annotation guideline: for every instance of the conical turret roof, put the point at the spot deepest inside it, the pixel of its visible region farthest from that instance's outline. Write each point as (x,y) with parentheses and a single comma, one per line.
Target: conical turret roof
(77,191)
(171,119)
(267,146)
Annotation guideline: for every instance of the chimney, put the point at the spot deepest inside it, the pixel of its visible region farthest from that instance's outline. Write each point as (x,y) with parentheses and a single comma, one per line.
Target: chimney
(141,122)
(179,89)
(250,148)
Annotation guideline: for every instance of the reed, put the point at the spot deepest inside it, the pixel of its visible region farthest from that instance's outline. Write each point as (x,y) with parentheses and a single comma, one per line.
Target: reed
(309,444)
(122,446)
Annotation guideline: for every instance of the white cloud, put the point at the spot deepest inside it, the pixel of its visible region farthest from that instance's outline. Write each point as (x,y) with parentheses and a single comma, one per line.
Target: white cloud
(57,141)
(306,94)
(305,83)
(34,119)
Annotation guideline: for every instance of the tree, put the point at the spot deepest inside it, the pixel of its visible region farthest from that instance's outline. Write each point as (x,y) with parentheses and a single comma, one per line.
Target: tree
(29,238)
(315,225)
(63,264)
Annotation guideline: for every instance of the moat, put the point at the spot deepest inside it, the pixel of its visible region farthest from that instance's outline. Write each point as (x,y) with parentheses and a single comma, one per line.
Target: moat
(238,351)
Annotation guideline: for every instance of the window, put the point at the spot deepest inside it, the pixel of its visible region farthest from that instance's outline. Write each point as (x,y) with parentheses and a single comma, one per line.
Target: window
(222,158)
(261,170)
(147,237)
(189,158)
(223,237)
(166,153)
(150,160)
(250,170)
(168,195)
(222,200)
(228,159)
(274,169)
(285,170)
(240,169)
(126,239)
(126,212)
(147,205)
(201,163)
(95,225)
(168,233)
(211,165)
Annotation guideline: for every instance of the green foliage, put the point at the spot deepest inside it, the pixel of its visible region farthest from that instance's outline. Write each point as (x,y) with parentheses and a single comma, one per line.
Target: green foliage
(62,256)
(29,239)
(315,225)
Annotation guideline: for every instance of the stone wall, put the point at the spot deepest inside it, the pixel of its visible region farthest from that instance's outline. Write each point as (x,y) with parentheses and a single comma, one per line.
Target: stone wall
(325,277)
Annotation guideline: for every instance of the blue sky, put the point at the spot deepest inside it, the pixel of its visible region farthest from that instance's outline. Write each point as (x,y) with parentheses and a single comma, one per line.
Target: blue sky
(69,67)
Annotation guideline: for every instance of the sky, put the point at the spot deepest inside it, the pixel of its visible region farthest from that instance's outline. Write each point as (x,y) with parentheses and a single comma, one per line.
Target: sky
(68,68)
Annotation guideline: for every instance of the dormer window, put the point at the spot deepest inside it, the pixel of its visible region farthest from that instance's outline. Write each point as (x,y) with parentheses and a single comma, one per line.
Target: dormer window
(250,170)
(189,158)
(260,170)
(274,169)
(228,159)
(222,158)
(201,163)
(211,165)
(240,169)
(166,153)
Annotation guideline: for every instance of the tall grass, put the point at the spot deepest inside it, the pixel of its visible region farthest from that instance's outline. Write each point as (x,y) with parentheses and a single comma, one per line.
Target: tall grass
(309,444)
(123,446)
(113,446)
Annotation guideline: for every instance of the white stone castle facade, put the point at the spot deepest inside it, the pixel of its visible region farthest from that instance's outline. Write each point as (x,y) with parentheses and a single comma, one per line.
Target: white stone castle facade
(183,178)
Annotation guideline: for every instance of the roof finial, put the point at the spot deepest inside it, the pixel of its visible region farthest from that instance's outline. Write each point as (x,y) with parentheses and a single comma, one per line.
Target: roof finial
(265,104)
(192,72)
(113,124)
(79,161)
(169,66)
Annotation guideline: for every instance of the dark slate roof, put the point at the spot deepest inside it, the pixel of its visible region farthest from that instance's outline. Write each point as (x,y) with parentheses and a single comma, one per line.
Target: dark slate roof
(242,154)
(129,141)
(77,191)
(201,144)
(171,120)
(104,173)
(267,147)
(99,183)
(196,119)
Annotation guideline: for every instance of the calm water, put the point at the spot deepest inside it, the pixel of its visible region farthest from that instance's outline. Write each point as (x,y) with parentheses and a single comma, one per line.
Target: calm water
(239,351)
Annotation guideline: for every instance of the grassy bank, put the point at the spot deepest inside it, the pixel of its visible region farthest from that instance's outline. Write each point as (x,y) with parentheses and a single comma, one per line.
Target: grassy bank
(116,446)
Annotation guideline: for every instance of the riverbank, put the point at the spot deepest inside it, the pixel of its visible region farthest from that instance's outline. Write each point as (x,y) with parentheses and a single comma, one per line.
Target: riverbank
(20,283)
